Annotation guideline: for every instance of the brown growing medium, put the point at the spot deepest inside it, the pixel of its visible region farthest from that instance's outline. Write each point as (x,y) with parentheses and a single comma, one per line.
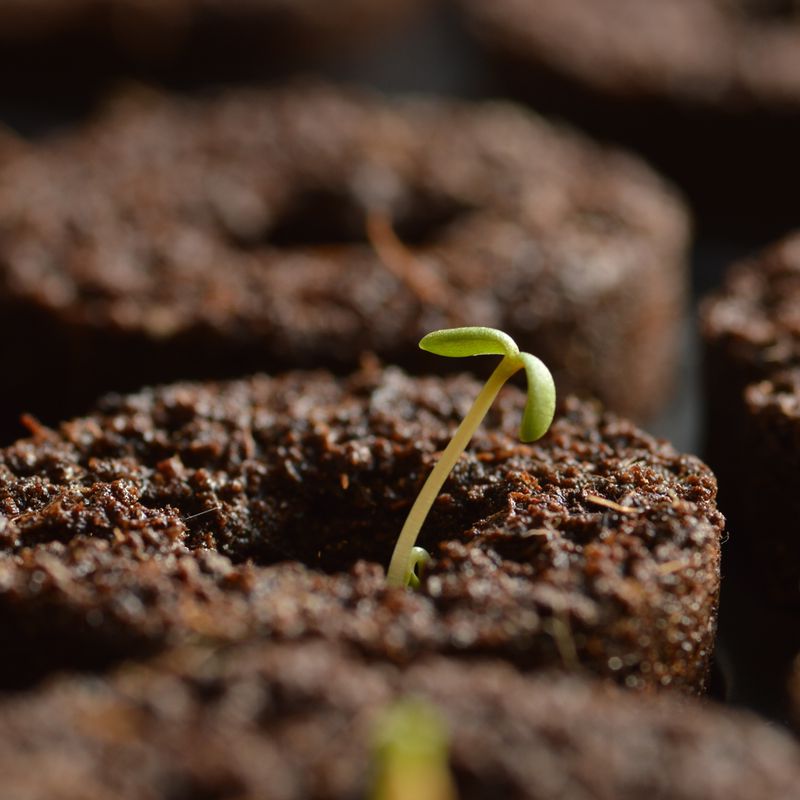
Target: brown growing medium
(767,502)
(576,251)
(270,506)
(298,721)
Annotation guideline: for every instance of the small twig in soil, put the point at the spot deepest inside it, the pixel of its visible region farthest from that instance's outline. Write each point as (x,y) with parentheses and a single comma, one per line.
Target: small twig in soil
(602,501)
(409,269)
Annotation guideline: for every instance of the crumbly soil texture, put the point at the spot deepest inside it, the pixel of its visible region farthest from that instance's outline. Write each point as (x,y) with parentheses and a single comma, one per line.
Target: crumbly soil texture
(269,507)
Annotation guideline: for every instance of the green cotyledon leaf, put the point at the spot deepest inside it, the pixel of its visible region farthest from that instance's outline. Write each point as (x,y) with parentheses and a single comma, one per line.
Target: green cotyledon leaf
(541,406)
(459,342)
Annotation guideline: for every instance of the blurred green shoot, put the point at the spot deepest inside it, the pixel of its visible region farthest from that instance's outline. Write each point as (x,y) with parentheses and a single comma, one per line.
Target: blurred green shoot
(411,754)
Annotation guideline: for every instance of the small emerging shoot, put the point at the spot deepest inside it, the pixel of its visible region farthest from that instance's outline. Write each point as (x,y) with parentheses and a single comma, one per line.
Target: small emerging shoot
(416,565)
(536,419)
(411,754)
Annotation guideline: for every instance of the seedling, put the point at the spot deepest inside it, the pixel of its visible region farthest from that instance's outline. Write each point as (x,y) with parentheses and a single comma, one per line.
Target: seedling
(411,754)
(536,419)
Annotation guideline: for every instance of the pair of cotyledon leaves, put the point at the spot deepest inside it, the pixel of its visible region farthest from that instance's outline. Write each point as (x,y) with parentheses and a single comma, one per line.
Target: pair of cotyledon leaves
(460,342)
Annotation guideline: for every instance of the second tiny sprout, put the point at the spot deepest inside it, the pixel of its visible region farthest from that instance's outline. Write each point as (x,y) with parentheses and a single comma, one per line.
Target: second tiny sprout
(536,419)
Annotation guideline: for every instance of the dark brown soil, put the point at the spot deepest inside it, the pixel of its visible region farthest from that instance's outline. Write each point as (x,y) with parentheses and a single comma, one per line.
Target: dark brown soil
(752,322)
(269,506)
(293,722)
(216,238)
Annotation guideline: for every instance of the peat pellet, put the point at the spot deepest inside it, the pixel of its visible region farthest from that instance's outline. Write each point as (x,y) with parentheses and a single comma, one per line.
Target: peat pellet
(178,238)
(751,332)
(269,507)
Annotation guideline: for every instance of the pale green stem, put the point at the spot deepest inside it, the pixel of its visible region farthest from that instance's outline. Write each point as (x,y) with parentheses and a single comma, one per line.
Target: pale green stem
(401,558)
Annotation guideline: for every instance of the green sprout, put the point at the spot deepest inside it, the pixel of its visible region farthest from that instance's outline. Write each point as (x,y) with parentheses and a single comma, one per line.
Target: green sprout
(411,754)
(536,419)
